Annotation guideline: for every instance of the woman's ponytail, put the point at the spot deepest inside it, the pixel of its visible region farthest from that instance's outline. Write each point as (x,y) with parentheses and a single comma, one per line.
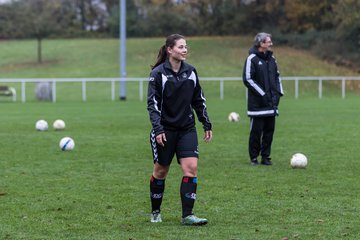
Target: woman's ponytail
(162,55)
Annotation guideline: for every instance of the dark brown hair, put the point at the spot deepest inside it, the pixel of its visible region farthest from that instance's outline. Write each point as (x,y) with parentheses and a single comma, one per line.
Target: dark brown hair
(170,42)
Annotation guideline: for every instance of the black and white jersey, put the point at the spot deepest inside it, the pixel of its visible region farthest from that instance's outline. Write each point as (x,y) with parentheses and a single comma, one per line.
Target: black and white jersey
(173,96)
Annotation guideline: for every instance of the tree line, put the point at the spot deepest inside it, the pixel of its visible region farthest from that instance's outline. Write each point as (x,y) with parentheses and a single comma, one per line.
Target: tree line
(319,25)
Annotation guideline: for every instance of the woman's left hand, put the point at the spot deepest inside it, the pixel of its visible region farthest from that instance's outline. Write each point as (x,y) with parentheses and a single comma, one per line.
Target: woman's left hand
(208,136)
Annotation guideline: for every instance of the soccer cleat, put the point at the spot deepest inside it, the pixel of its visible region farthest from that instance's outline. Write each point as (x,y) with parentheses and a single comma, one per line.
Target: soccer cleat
(193,220)
(254,162)
(266,161)
(155,217)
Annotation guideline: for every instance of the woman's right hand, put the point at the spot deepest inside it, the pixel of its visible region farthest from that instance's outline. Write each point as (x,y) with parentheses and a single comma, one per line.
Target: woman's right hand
(161,139)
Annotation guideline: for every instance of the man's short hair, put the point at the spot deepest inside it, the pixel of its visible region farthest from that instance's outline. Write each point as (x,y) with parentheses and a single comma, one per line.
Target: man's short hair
(260,38)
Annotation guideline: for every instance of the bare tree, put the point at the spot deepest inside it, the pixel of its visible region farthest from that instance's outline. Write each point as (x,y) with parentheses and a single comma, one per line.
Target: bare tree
(36,18)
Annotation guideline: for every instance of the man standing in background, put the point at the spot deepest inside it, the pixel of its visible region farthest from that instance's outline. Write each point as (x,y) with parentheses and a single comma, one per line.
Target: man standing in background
(262,78)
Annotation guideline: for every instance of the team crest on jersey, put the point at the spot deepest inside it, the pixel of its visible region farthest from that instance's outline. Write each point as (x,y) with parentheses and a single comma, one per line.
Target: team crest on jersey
(260,63)
(184,75)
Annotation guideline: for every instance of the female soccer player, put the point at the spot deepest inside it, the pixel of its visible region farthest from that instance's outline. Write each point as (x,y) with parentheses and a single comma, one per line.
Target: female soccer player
(174,92)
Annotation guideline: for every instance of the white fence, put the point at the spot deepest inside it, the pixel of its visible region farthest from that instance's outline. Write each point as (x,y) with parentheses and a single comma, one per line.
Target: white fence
(112,81)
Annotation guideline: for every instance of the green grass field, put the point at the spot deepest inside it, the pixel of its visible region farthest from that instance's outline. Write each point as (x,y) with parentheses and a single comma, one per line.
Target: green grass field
(100,190)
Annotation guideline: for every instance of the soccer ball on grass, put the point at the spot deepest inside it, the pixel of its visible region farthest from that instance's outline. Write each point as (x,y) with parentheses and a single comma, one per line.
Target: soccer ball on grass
(59,124)
(234,117)
(298,160)
(67,144)
(41,125)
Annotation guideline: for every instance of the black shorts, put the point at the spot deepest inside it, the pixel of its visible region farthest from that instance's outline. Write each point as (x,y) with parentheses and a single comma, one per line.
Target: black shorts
(182,143)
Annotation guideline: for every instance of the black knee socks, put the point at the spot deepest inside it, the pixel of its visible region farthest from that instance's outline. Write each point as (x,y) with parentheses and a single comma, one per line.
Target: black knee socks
(157,187)
(188,194)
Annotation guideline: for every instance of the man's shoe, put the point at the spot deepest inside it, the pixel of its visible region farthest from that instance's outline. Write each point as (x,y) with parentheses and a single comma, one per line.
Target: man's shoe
(155,217)
(254,162)
(193,221)
(266,161)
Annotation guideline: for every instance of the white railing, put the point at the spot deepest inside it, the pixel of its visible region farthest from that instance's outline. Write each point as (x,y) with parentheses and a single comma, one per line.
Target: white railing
(343,80)
(112,81)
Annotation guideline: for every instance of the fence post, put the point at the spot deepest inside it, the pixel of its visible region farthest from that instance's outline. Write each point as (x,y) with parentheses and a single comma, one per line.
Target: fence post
(54,90)
(221,89)
(343,87)
(296,88)
(84,90)
(23,94)
(141,91)
(320,88)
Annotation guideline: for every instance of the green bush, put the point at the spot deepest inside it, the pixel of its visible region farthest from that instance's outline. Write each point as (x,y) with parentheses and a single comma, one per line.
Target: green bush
(326,44)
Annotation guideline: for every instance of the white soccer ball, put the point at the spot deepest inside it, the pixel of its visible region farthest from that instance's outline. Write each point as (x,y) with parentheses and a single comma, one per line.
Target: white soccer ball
(234,117)
(41,125)
(298,160)
(59,124)
(67,144)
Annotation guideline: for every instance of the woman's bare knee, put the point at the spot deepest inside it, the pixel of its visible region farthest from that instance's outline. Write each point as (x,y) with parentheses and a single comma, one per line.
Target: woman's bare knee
(189,166)
(159,171)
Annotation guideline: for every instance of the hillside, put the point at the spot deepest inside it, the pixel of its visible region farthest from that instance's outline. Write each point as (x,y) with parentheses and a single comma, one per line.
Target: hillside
(213,56)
